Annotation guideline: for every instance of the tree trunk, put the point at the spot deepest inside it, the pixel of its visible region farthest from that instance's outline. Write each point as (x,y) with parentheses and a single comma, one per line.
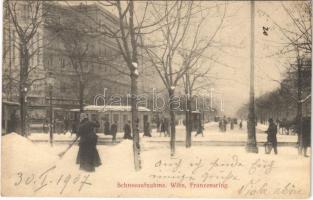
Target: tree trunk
(299,106)
(81,97)
(23,111)
(172,123)
(23,87)
(188,123)
(134,87)
(135,122)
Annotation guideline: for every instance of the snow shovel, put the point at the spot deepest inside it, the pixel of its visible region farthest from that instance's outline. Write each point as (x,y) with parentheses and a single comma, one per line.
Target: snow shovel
(68,148)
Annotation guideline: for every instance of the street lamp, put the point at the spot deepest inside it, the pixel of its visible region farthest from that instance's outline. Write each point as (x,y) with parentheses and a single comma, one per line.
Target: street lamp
(251,143)
(50,82)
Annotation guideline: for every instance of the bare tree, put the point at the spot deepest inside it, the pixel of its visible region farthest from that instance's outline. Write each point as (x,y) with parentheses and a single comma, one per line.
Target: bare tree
(26,17)
(297,34)
(163,57)
(176,52)
(192,52)
(128,37)
(76,44)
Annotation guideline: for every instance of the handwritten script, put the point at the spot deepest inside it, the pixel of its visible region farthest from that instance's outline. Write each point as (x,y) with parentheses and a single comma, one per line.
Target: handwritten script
(48,178)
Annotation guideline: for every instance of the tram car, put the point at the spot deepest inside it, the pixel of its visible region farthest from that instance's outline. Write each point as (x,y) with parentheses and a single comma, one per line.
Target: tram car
(112,113)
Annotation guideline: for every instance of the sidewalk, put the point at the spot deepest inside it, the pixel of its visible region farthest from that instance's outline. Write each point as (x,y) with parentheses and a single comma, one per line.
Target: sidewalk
(211,137)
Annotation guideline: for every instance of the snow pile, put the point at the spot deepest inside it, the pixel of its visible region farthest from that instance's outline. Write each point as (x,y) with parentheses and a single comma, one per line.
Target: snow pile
(21,157)
(19,153)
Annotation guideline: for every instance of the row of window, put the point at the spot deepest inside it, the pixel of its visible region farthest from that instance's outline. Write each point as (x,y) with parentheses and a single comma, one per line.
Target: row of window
(64,64)
(12,54)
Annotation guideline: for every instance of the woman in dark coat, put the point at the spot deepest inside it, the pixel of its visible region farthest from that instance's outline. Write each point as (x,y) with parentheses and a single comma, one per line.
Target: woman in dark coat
(88,156)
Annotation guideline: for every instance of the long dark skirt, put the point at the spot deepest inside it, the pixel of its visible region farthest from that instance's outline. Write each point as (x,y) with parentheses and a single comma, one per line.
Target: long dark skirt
(88,158)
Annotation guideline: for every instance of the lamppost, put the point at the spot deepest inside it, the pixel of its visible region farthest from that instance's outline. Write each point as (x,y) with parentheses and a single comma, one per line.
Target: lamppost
(251,142)
(50,82)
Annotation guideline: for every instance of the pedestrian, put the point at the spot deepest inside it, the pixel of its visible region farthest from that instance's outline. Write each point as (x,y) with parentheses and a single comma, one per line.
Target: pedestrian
(240,124)
(231,124)
(224,124)
(158,124)
(200,130)
(106,127)
(127,131)
(74,127)
(45,126)
(220,124)
(167,127)
(88,157)
(146,130)
(66,125)
(271,135)
(114,131)
(162,127)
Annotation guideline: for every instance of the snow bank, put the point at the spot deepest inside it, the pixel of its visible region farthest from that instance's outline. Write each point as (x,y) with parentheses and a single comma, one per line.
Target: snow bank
(21,158)
(19,153)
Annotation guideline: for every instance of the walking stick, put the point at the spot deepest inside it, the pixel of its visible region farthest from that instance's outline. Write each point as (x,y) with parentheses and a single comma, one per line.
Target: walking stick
(68,148)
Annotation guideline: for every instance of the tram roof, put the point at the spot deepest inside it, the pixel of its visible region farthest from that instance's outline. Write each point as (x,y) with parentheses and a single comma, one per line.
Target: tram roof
(112,108)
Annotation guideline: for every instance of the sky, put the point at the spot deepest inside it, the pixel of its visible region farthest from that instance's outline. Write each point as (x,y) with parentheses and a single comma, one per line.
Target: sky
(231,67)
(233,81)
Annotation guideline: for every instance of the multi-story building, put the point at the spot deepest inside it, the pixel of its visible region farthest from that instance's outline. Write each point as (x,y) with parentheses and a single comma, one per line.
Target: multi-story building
(53,48)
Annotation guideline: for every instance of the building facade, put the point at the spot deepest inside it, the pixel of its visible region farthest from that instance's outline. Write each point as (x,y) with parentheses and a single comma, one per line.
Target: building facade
(52,73)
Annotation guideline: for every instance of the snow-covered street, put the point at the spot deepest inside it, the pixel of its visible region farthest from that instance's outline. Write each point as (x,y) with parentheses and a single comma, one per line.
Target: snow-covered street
(34,168)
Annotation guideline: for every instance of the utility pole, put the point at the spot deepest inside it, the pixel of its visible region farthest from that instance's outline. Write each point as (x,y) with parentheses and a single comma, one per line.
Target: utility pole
(251,146)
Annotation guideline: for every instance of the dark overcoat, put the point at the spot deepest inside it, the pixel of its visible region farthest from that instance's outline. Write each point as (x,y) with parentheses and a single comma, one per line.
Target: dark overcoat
(271,133)
(88,157)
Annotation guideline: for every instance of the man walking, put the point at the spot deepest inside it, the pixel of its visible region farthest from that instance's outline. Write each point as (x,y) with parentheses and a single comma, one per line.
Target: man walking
(114,131)
(271,135)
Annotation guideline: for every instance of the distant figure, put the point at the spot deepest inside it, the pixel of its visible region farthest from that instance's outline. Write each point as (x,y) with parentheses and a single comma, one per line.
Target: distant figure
(45,126)
(220,124)
(74,127)
(240,124)
(167,127)
(107,127)
(114,131)
(127,131)
(231,124)
(66,125)
(146,130)
(200,130)
(163,129)
(88,156)
(158,124)
(224,124)
(271,135)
